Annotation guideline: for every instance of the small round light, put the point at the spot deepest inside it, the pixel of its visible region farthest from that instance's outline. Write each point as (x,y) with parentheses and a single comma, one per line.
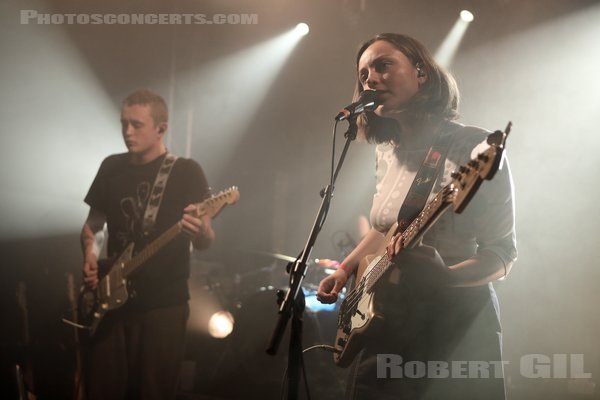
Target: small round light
(302,29)
(466,16)
(220,324)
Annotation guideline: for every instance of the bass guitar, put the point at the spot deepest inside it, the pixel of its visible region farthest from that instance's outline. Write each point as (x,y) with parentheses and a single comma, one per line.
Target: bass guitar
(111,292)
(360,314)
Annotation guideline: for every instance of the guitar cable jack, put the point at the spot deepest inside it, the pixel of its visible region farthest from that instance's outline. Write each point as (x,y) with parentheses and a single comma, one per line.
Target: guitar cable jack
(76,325)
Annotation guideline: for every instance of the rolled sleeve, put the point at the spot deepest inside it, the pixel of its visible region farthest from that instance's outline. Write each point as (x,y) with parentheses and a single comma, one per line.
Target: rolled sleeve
(494,216)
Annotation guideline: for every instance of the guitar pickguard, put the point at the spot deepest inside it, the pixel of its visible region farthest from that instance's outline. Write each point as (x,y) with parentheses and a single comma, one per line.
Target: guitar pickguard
(110,294)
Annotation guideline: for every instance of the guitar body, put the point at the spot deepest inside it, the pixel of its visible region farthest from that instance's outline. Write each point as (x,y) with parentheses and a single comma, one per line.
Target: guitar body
(361,312)
(359,318)
(110,294)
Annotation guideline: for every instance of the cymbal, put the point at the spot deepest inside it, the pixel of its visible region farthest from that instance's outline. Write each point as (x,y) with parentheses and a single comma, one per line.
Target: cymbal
(321,262)
(278,256)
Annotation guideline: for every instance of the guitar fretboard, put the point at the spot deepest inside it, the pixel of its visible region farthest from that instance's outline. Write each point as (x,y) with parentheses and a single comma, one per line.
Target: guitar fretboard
(432,211)
(151,249)
(211,207)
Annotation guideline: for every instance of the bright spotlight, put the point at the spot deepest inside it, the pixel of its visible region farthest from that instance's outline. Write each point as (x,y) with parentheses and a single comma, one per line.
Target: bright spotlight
(466,16)
(220,324)
(302,29)
(262,64)
(448,48)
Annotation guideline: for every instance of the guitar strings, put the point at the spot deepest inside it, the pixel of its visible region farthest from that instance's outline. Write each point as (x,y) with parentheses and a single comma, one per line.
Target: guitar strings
(355,295)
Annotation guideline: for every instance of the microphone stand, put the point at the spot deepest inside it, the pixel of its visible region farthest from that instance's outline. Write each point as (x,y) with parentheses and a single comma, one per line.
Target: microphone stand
(291,305)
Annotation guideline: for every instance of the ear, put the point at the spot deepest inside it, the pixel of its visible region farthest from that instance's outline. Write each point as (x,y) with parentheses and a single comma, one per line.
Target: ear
(421,75)
(422,79)
(162,128)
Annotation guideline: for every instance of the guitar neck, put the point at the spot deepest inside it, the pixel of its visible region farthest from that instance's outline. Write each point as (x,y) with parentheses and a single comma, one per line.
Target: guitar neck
(151,249)
(465,183)
(412,234)
(211,207)
(426,218)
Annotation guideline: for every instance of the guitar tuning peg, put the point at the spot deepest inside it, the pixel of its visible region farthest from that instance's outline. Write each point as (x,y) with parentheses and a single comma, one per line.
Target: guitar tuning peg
(455,174)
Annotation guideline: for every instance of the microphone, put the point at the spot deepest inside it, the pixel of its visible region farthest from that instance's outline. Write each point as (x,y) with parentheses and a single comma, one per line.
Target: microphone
(368,101)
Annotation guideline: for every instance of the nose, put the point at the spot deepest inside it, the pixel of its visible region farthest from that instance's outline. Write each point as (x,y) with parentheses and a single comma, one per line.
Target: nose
(127,129)
(373,80)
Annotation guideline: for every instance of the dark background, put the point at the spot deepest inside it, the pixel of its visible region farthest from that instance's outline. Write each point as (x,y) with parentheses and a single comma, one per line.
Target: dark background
(262,122)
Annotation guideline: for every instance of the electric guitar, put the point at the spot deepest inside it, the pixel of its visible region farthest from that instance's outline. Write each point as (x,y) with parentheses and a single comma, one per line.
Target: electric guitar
(111,292)
(360,313)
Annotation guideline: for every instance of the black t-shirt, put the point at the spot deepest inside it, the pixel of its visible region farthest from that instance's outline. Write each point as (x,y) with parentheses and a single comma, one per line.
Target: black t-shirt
(121,190)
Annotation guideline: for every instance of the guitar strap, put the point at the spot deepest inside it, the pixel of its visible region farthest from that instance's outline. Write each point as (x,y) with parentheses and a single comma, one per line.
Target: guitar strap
(426,176)
(156,195)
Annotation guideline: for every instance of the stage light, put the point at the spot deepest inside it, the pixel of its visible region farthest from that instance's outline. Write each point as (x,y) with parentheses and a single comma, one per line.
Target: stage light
(302,29)
(236,93)
(466,15)
(448,48)
(220,324)
(74,153)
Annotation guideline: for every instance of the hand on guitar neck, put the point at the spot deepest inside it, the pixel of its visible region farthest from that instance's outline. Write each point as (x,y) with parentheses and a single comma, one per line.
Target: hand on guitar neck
(195,225)
(198,229)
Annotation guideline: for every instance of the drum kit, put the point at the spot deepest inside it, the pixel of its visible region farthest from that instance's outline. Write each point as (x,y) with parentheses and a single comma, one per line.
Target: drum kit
(275,276)
(236,289)
(250,294)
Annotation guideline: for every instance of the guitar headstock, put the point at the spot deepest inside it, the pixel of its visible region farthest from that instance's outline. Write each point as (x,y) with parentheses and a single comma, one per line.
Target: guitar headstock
(467,179)
(213,205)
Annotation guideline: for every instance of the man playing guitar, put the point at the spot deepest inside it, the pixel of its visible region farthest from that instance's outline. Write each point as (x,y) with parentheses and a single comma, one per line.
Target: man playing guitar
(138,348)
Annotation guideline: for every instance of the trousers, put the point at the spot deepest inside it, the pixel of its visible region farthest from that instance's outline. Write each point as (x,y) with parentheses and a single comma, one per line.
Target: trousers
(137,354)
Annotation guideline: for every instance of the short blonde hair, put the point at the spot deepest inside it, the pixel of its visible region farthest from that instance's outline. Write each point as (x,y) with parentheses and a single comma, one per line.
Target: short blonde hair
(158,107)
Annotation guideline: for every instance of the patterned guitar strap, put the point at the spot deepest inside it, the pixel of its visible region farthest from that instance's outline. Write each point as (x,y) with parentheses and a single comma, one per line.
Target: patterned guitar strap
(156,195)
(426,176)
